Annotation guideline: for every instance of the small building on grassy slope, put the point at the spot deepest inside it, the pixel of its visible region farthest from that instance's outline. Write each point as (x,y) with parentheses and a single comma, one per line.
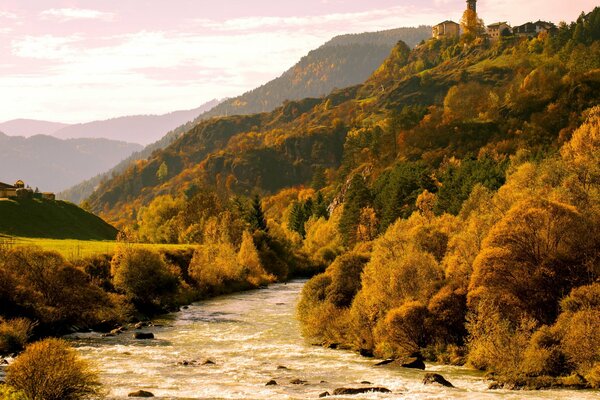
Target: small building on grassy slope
(7,191)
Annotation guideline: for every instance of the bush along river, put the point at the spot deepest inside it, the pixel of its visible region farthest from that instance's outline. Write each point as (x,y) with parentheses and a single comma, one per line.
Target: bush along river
(249,346)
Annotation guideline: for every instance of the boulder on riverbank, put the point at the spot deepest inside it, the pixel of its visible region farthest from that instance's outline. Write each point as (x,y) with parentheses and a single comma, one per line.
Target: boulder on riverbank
(140,393)
(353,391)
(431,379)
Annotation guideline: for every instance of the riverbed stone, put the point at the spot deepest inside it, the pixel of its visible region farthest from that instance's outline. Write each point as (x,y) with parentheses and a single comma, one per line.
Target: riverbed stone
(431,379)
(353,391)
(143,335)
(298,382)
(384,362)
(140,393)
(414,363)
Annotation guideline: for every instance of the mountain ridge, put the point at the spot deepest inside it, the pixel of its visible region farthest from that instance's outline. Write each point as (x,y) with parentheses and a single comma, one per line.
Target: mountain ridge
(346,47)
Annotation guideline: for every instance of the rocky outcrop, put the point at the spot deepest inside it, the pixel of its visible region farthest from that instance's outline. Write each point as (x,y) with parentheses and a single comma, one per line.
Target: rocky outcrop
(433,379)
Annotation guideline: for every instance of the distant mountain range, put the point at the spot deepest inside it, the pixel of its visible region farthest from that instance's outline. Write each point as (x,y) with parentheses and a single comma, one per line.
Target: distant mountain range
(142,129)
(53,164)
(30,127)
(344,61)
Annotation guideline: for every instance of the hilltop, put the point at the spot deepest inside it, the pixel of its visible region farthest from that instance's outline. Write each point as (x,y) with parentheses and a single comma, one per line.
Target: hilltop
(37,218)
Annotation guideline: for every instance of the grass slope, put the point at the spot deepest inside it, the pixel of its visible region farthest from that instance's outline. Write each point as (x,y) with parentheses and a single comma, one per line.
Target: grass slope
(51,219)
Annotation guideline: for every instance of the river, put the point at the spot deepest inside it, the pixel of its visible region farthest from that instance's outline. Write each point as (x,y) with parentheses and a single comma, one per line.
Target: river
(249,337)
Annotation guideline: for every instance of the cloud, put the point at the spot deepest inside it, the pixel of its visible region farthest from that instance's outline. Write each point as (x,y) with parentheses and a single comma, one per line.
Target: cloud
(46,47)
(387,17)
(7,15)
(69,14)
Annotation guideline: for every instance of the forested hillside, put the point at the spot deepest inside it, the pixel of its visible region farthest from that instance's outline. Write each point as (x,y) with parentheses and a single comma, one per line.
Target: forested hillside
(343,61)
(453,198)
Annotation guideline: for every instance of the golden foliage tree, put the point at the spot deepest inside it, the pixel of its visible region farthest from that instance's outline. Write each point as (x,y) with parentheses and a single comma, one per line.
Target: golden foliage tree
(530,259)
(144,276)
(471,25)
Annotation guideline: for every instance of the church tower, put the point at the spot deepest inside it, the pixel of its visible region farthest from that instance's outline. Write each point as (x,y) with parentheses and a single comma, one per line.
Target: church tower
(472,5)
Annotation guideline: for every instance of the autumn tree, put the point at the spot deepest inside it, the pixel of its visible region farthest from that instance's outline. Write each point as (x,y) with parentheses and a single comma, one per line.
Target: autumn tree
(144,277)
(471,25)
(531,258)
(163,172)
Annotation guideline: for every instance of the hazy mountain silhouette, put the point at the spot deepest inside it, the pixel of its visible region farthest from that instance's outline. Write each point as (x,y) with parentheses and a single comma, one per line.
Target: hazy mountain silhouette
(53,164)
(30,127)
(143,129)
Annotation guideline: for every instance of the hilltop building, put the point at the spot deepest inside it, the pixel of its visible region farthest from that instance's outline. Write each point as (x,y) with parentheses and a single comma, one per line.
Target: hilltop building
(7,191)
(18,190)
(495,31)
(530,29)
(446,29)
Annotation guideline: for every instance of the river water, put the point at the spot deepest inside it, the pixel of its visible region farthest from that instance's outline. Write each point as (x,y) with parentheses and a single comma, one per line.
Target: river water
(249,337)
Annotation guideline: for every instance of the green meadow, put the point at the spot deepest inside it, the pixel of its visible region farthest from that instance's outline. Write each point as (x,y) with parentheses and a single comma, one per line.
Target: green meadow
(73,249)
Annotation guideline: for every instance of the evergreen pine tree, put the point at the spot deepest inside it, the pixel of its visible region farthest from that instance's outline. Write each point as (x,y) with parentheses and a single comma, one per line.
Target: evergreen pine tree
(358,196)
(256,217)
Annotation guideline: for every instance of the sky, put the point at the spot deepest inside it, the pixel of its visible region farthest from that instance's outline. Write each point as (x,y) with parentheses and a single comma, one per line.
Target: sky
(82,60)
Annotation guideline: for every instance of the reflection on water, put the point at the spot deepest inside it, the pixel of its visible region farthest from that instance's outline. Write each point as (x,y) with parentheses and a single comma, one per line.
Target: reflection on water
(253,338)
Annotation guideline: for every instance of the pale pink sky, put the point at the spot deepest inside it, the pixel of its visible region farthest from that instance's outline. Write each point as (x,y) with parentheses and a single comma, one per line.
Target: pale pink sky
(80,60)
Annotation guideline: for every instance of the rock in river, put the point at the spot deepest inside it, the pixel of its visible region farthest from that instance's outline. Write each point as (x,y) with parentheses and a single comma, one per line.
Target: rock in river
(431,379)
(352,391)
(143,335)
(140,393)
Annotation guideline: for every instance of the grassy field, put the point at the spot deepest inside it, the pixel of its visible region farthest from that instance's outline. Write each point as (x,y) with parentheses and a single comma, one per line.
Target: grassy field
(76,249)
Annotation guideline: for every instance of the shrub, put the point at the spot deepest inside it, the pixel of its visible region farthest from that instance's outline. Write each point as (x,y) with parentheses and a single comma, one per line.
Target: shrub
(144,277)
(48,289)
(448,309)
(345,275)
(14,334)
(404,330)
(213,265)
(50,370)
